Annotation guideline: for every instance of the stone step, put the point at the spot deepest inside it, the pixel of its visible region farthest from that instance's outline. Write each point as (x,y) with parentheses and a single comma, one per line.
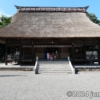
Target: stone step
(54,67)
(56,72)
(40,72)
(53,63)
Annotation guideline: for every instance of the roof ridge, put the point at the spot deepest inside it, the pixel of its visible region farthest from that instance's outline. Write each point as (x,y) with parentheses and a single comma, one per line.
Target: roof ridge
(51,9)
(86,7)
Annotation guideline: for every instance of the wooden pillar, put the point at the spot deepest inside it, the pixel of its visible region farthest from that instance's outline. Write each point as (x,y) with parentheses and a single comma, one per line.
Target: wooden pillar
(20,56)
(33,54)
(85,52)
(98,52)
(73,60)
(6,54)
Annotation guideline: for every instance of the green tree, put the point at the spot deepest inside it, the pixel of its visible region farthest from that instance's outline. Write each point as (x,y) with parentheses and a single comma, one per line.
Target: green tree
(93,18)
(4,21)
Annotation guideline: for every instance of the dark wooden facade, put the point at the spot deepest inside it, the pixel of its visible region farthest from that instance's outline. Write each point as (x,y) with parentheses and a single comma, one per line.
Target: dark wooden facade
(76,48)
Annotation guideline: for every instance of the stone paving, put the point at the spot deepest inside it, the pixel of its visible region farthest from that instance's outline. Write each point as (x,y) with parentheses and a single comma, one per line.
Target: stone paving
(25,85)
(2,65)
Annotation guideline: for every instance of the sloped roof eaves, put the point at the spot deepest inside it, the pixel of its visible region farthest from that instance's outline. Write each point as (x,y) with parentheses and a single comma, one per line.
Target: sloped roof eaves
(47,25)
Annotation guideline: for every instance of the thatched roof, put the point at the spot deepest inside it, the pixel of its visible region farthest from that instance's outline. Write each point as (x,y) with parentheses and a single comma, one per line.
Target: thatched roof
(38,22)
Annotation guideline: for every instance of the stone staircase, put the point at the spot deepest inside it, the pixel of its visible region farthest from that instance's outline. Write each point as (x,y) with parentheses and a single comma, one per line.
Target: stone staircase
(55,67)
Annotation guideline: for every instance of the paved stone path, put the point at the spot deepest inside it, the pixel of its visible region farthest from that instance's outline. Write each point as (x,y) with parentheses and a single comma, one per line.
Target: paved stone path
(20,85)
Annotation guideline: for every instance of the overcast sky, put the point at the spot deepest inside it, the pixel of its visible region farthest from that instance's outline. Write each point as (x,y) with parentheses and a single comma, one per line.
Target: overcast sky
(7,6)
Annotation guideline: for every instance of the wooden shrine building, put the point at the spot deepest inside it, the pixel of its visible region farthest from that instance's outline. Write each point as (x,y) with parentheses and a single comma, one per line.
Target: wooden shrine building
(60,31)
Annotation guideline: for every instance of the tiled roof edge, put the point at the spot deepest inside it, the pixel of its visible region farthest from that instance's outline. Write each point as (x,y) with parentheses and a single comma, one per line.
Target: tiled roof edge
(55,9)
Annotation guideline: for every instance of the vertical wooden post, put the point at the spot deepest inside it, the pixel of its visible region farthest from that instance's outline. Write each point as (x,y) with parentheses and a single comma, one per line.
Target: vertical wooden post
(98,52)
(73,53)
(20,56)
(85,52)
(6,54)
(33,54)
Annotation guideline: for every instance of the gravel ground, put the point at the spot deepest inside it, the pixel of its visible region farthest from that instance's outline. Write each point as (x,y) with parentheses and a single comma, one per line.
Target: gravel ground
(20,85)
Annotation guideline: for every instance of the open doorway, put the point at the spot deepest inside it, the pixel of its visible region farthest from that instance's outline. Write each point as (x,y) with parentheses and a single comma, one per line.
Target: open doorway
(53,52)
